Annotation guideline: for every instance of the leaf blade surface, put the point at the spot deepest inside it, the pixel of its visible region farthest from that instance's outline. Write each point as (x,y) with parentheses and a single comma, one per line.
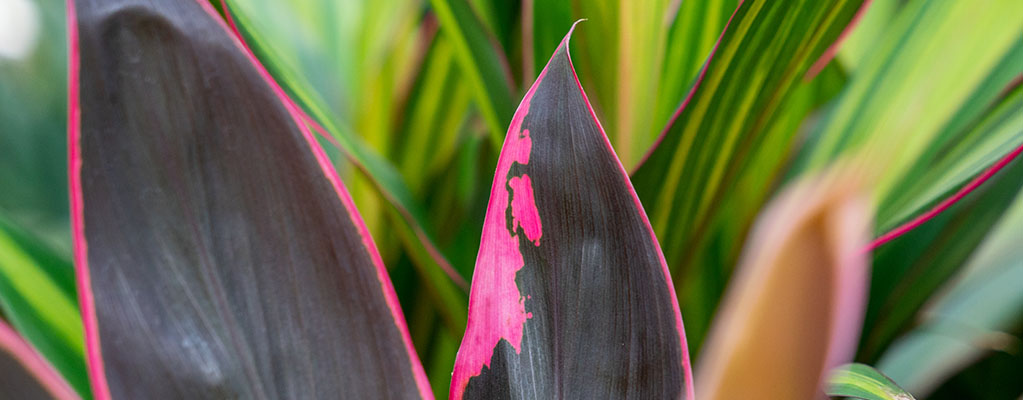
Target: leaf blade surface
(571,296)
(218,253)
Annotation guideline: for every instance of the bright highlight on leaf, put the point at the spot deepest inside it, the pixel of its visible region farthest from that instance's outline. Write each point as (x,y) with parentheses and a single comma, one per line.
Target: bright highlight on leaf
(218,253)
(861,381)
(795,307)
(571,297)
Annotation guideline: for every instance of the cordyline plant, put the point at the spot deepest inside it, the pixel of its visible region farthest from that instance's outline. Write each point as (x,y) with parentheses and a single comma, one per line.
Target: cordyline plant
(219,255)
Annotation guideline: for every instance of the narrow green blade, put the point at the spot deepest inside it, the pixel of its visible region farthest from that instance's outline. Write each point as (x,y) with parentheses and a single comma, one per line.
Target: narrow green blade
(482,61)
(976,315)
(706,155)
(330,98)
(37,294)
(909,269)
(861,381)
(933,61)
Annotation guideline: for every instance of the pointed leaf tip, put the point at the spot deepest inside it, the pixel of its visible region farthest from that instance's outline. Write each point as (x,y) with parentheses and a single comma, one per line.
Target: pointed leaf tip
(570,296)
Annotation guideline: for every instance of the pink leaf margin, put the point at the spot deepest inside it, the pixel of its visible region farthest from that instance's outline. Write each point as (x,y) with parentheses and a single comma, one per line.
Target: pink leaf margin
(93,351)
(814,69)
(485,330)
(35,364)
(101,389)
(689,97)
(832,50)
(947,203)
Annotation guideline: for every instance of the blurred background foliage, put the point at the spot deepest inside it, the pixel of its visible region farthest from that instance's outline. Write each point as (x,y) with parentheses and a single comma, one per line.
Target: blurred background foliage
(413,98)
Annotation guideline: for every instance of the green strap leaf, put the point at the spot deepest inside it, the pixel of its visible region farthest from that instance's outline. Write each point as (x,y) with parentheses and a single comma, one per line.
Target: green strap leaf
(543,29)
(693,33)
(642,34)
(930,62)
(37,295)
(482,61)
(706,154)
(911,268)
(298,64)
(861,381)
(979,133)
(977,314)
(437,109)
(860,42)
(725,142)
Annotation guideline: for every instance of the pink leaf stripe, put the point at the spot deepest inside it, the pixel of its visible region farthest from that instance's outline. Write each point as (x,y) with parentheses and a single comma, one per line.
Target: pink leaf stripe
(433,251)
(832,50)
(34,364)
(947,203)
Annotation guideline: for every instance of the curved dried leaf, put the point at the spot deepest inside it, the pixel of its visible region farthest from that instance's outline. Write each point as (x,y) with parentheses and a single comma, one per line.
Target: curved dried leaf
(218,253)
(794,310)
(571,297)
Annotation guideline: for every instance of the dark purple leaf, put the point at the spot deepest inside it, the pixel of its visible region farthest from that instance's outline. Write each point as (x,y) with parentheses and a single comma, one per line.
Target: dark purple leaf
(571,297)
(218,254)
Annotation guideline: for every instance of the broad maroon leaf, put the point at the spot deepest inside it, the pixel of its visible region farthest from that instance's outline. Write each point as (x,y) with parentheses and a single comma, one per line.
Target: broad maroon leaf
(218,254)
(25,374)
(571,297)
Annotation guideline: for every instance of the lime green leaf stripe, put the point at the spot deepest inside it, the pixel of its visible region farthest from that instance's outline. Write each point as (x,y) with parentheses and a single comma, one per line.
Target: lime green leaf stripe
(978,134)
(40,304)
(864,382)
(758,63)
(483,63)
(928,63)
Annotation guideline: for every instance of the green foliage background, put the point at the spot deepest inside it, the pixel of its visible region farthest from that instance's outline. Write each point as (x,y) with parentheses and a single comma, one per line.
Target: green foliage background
(418,95)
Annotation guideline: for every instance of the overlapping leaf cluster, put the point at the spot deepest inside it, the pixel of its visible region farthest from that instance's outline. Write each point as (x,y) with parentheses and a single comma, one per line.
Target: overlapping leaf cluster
(712,106)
